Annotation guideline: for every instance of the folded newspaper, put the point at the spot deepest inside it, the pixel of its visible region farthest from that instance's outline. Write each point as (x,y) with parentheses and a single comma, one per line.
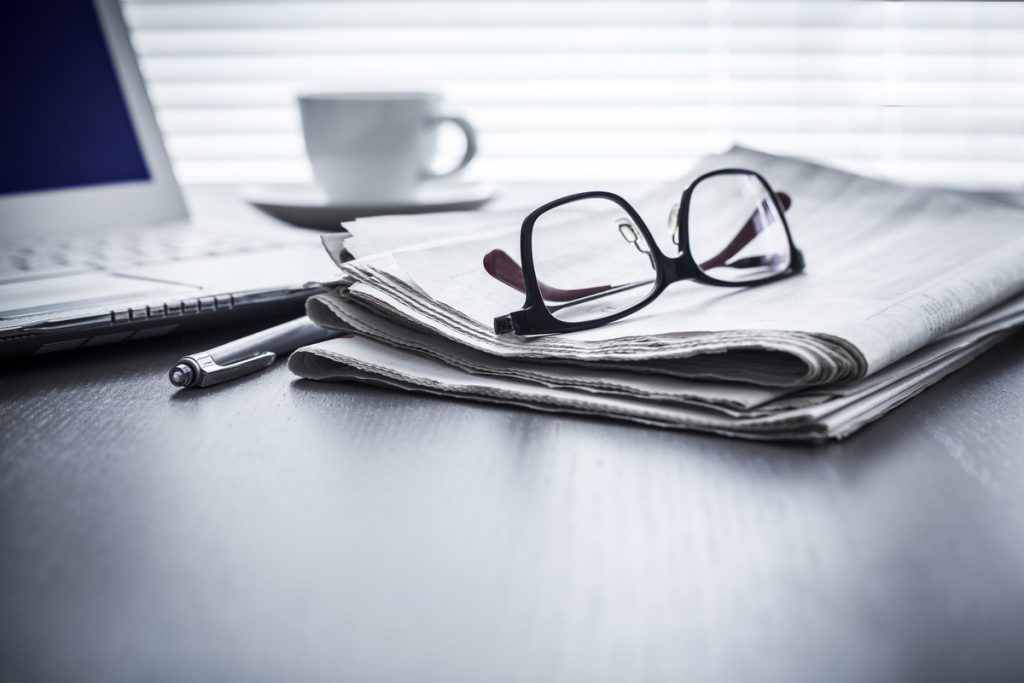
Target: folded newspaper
(903,285)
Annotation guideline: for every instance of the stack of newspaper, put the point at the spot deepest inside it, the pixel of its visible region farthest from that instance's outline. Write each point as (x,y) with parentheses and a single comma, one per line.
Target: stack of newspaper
(903,286)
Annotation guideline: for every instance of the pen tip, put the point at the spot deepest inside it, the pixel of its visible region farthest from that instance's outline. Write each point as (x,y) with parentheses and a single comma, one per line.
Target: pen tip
(181,375)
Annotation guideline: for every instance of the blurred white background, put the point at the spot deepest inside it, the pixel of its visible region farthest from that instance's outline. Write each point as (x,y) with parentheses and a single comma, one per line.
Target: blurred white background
(603,89)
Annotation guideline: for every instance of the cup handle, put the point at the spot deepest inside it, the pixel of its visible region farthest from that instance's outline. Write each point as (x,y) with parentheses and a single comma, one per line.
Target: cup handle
(471,147)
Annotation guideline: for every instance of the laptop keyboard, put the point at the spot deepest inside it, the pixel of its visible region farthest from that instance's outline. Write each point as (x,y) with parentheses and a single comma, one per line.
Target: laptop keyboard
(123,249)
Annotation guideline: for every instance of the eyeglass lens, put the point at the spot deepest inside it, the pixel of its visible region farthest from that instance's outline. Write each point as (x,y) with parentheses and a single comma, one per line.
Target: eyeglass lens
(736,233)
(591,261)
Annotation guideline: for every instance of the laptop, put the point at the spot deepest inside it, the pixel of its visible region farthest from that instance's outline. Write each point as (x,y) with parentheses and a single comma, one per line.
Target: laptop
(95,242)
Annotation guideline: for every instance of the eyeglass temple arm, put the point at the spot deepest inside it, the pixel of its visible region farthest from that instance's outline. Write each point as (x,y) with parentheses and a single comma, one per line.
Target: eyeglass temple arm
(504,268)
(744,237)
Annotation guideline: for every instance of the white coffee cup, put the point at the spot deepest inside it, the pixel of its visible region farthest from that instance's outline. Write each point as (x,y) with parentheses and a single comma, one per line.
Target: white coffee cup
(375,148)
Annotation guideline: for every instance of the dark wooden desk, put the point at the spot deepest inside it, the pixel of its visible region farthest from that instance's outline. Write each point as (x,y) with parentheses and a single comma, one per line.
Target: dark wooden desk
(276,529)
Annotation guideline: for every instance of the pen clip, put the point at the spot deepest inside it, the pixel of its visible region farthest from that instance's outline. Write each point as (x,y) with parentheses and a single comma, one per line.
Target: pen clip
(212,372)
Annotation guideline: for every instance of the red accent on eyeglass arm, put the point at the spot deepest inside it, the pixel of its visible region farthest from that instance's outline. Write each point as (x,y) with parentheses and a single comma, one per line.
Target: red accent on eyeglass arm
(744,237)
(504,268)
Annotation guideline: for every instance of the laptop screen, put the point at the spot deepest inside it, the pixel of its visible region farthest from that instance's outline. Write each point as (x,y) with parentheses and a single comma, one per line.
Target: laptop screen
(65,122)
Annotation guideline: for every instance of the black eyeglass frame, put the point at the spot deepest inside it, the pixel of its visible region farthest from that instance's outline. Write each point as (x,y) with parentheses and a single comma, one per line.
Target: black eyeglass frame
(534,318)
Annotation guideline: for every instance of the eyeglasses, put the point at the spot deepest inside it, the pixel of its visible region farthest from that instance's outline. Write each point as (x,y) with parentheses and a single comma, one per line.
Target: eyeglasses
(588,259)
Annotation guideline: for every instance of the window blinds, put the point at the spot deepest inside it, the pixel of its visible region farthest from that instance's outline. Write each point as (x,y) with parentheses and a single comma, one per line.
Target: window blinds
(603,90)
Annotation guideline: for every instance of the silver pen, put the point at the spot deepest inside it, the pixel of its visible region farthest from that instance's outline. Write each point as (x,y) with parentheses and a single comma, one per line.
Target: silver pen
(246,355)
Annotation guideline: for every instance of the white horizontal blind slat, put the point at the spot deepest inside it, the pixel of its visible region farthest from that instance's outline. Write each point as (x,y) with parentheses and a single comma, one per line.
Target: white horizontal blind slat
(771,40)
(651,91)
(612,63)
(426,13)
(643,117)
(603,89)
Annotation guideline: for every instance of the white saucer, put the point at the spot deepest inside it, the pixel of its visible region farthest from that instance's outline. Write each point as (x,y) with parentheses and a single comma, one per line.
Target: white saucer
(307,205)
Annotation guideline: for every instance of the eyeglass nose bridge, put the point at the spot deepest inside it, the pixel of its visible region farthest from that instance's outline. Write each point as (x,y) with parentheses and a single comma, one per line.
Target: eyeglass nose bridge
(680,268)
(676,268)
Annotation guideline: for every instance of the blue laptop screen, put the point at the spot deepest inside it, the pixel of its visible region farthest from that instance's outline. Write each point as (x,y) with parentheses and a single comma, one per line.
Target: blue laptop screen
(65,122)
